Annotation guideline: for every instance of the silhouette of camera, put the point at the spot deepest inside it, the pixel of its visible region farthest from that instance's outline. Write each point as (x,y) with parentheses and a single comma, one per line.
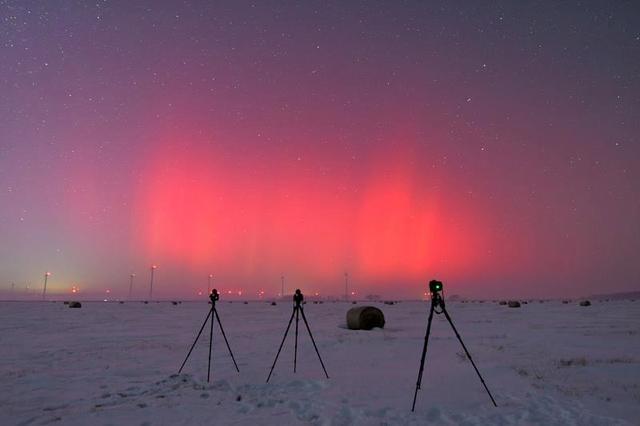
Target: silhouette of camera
(435,286)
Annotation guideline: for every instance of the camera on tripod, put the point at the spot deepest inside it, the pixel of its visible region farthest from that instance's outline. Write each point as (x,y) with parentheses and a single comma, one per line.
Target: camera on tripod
(298,298)
(214,296)
(437,307)
(435,286)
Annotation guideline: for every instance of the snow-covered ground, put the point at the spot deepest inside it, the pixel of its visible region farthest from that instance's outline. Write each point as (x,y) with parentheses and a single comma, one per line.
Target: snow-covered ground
(111,363)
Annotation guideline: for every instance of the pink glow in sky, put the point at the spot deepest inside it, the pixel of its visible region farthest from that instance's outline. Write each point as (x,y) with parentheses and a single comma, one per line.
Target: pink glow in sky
(494,148)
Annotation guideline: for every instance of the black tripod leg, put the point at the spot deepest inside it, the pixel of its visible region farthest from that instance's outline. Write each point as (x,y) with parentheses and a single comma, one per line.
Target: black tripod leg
(446,314)
(215,311)
(295,350)
(281,344)
(314,342)
(210,345)
(195,341)
(424,355)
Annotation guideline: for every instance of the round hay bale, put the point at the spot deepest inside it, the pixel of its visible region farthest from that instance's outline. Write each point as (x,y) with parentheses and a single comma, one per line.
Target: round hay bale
(75,305)
(174,303)
(365,318)
(273,303)
(514,304)
(585,303)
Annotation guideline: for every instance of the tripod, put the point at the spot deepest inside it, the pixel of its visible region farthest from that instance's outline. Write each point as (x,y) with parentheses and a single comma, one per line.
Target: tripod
(213,313)
(297,310)
(438,302)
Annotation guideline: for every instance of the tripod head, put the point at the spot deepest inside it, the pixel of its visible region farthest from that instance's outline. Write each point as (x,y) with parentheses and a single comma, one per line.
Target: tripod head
(298,297)
(435,288)
(214,296)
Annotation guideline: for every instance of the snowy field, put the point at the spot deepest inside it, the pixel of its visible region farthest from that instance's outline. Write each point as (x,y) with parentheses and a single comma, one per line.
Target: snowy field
(110,363)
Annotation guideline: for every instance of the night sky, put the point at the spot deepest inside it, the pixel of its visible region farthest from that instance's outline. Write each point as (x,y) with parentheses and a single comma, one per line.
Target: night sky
(493,146)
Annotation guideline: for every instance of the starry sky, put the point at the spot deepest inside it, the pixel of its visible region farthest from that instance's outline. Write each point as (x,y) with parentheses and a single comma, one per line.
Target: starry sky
(492,145)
